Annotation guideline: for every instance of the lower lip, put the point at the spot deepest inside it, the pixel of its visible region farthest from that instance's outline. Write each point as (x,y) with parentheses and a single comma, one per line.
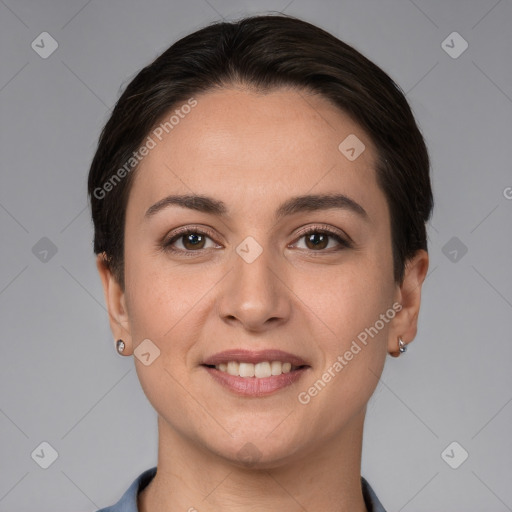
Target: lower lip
(253,386)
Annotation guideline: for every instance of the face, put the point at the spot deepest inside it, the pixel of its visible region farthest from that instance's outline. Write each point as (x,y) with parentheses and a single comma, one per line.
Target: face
(255,270)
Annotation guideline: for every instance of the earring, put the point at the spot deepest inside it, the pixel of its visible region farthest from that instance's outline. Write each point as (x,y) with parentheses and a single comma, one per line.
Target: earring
(402,347)
(120,346)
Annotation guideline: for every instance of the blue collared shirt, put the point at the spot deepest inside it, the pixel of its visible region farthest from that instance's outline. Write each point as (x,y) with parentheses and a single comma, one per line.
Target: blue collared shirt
(128,502)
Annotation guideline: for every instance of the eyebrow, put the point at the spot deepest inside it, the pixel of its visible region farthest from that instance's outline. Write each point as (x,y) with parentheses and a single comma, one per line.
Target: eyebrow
(305,203)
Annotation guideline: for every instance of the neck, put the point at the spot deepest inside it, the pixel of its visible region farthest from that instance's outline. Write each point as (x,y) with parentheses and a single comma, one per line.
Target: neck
(191,479)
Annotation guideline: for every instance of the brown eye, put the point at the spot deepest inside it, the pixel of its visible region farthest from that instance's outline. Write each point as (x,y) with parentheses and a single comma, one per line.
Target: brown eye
(318,240)
(193,241)
(188,241)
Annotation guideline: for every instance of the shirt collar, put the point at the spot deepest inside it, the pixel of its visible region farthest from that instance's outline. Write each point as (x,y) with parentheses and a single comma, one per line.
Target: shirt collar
(128,502)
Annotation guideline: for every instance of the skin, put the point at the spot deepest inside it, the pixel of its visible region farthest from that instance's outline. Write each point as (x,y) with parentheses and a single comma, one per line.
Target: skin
(253,151)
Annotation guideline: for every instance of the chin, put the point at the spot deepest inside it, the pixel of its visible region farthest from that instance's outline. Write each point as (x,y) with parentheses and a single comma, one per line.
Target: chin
(256,451)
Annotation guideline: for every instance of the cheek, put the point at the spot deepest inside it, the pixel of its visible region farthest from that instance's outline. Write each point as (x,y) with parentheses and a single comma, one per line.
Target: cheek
(353,341)
(349,304)
(160,293)
(350,296)
(162,306)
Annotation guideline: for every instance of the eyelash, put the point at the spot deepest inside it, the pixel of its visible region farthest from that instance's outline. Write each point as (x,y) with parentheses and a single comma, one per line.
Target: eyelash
(166,245)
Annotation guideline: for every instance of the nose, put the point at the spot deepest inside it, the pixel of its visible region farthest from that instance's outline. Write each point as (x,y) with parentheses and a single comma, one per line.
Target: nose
(255,294)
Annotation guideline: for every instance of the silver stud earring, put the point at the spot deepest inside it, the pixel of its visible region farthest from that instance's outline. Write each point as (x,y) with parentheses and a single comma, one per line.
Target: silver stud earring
(120,346)
(402,347)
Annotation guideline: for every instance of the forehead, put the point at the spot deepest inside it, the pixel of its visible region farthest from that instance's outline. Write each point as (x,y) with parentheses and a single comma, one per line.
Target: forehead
(249,146)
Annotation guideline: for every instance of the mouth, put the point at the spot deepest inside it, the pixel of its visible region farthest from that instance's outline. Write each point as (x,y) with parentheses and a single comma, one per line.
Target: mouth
(261,370)
(251,373)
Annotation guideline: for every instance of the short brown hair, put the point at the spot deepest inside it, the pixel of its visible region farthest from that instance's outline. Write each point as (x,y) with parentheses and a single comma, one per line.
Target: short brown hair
(267,52)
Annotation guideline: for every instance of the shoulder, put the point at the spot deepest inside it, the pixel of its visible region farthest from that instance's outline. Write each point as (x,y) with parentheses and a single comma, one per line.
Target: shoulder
(128,501)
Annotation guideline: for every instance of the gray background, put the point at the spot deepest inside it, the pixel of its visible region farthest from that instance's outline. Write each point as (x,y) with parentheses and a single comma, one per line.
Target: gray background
(61,380)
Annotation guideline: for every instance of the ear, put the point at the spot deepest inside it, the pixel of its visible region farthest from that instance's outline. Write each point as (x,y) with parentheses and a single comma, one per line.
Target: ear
(116,304)
(405,323)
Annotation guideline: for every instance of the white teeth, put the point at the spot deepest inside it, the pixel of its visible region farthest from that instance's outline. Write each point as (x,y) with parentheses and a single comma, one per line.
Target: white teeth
(232,368)
(258,370)
(246,370)
(262,370)
(275,367)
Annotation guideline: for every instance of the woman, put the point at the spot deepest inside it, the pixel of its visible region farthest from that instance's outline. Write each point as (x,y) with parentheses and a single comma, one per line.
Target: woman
(259,198)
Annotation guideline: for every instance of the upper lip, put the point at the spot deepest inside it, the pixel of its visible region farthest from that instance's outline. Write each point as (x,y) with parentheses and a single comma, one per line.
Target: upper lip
(254,356)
